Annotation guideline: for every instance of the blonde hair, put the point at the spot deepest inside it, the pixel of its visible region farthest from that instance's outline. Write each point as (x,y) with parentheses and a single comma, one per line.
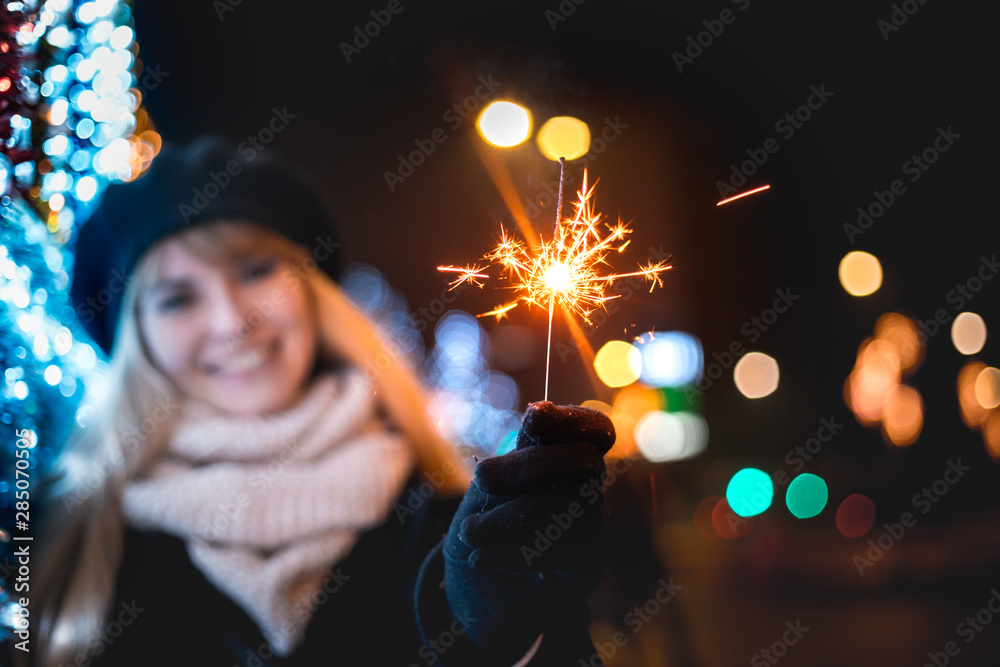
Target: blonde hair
(83,534)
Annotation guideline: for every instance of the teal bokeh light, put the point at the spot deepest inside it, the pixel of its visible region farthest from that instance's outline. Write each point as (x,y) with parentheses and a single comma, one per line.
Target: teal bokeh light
(750,492)
(806,496)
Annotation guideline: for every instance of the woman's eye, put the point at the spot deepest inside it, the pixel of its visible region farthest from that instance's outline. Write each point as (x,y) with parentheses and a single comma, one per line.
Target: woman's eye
(259,270)
(174,302)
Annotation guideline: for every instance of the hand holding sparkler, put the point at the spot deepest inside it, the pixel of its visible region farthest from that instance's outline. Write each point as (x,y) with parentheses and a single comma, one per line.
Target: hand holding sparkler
(526,545)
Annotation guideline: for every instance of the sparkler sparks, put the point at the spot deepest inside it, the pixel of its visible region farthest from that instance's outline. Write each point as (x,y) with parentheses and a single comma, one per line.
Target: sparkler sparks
(566,269)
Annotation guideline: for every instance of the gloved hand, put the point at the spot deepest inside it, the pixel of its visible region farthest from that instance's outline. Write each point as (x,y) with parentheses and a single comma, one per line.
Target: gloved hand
(526,545)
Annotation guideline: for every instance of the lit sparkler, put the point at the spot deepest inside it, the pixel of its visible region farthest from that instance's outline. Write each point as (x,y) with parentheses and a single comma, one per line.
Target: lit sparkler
(566,269)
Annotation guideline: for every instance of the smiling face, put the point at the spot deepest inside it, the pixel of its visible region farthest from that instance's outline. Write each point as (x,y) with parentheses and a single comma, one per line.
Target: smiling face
(235,330)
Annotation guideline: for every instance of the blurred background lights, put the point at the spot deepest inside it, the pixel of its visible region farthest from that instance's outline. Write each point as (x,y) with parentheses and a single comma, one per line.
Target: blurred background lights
(903,416)
(728,524)
(855,515)
(670,436)
(973,412)
(630,405)
(756,375)
(670,359)
(563,136)
(504,124)
(901,332)
(750,492)
(860,273)
(968,333)
(806,496)
(618,363)
(988,388)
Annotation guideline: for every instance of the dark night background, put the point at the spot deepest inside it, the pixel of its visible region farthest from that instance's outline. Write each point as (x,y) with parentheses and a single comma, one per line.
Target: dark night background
(684,131)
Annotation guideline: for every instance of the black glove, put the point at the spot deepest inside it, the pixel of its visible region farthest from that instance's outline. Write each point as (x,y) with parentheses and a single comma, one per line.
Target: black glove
(526,545)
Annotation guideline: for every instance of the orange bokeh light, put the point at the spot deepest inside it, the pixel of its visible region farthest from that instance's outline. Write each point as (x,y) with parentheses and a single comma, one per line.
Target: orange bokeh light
(973,414)
(903,416)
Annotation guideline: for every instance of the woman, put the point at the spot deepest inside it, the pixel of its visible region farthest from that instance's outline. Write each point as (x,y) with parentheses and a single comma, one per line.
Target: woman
(267,482)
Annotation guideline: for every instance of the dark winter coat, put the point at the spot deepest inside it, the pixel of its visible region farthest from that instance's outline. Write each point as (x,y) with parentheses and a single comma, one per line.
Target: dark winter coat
(166,613)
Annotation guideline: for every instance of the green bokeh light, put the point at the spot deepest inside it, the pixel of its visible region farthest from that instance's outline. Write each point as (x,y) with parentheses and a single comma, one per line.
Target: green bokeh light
(806,496)
(507,444)
(750,492)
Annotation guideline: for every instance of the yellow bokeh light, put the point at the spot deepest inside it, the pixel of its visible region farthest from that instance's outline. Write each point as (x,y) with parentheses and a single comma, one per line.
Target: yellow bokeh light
(903,416)
(988,387)
(968,333)
(563,136)
(504,124)
(618,363)
(860,273)
(756,375)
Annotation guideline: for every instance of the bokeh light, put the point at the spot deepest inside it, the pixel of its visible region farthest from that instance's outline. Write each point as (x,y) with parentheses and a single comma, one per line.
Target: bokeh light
(670,359)
(968,333)
(860,273)
(756,375)
(504,124)
(702,518)
(670,436)
(991,435)
(595,404)
(728,524)
(750,492)
(806,496)
(563,136)
(855,515)
(903,416)
(973,413)
(618,363)
(630,405)
(901,332)
(988,387)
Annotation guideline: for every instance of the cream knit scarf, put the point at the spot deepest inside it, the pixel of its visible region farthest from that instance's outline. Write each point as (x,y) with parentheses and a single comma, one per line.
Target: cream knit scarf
(268,504)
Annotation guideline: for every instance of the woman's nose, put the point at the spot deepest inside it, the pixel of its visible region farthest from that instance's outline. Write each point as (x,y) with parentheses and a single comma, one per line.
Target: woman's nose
(227,313)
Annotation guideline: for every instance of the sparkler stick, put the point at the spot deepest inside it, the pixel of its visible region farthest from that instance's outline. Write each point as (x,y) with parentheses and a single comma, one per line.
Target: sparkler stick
(565,269)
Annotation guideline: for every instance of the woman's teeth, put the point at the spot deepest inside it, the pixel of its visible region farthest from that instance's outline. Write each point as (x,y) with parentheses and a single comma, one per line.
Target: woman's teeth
(246,361)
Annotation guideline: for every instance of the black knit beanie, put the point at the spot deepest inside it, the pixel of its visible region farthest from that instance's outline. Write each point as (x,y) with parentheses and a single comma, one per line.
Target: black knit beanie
(202,182)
